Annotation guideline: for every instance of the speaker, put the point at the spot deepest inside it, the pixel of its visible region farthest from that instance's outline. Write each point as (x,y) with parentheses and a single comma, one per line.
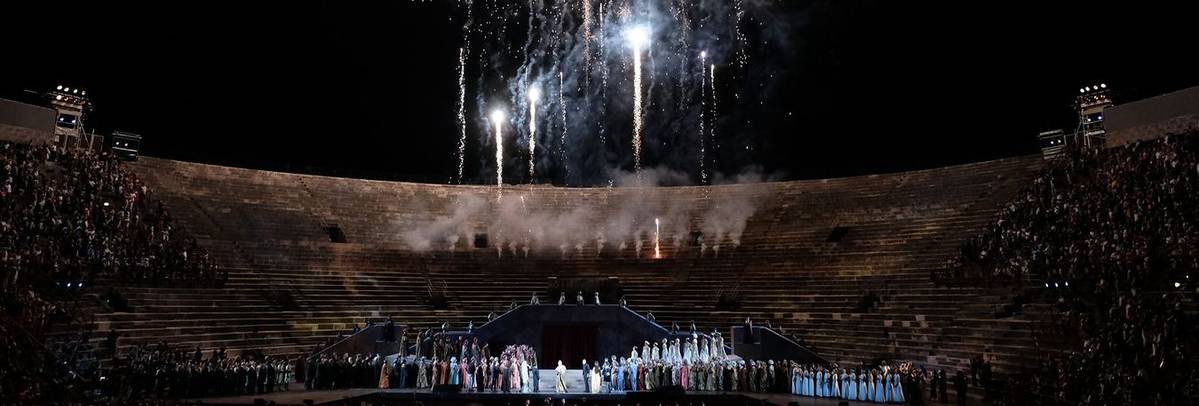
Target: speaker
(443,389)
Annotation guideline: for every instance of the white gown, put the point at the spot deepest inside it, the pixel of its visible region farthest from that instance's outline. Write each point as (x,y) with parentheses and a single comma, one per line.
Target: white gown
(560,379)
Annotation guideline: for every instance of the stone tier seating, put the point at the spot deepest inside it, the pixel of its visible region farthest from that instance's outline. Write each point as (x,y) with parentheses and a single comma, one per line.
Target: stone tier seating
(266,229)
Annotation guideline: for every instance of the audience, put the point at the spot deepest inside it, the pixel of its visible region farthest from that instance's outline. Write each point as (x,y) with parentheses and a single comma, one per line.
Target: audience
(1113,234)
(67,220)
(160,372)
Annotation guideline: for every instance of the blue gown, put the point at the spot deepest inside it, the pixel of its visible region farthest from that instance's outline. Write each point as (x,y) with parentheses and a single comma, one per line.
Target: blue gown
(887,395)
(863,388)
(835,385)
(878,389)
(853,384)
(820,383)
(897,390)
(453,371)
(846,387)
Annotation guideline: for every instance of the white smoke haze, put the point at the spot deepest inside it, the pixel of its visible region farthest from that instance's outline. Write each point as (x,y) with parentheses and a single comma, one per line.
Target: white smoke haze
(565,221)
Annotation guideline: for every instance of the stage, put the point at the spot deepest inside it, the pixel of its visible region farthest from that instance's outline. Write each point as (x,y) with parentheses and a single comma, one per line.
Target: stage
(425,397)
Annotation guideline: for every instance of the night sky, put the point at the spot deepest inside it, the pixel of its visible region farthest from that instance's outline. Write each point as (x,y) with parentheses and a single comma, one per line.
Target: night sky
(370,89)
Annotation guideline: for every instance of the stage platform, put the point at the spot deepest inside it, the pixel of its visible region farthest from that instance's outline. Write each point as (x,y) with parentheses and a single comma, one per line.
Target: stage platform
(425,397)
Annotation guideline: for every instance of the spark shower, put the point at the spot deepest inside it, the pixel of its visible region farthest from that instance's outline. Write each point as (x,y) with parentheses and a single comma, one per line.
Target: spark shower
(630,84)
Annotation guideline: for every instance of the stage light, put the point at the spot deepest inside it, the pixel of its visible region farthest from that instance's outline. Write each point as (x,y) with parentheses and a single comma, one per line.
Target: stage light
(1177,285)
(58,88)
(1046,284)
(76,91)
(1103,85)
(497,115)
(1088,88)
(1067,284)
(1055,285)
(66,89)
(1081,90)
(703,54)
(83,93)
(58,97)
(637,36)
(534,93)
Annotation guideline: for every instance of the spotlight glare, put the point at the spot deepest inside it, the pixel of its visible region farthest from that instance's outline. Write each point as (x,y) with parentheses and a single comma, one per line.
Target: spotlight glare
(534,93)
(58,88)
(1103,85)
(497,115)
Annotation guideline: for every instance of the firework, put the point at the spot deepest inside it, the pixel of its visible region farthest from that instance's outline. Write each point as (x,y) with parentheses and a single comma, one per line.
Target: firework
(562,107)
(497,118)
(703,82)
(712,126)
(534,94)
(657,237)
(638,38)
(461,111)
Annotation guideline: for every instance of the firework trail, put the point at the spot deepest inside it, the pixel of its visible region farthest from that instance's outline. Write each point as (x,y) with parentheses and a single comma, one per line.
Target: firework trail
(712,125)
(562,107)
(703,83)
(739,13)
(603,51)
(638,37)
(587,43)
(461,111)
(657,236)
(497,117)
(534,94)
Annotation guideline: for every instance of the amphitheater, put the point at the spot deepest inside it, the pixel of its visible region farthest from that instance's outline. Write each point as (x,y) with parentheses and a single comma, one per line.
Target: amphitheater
(269,231)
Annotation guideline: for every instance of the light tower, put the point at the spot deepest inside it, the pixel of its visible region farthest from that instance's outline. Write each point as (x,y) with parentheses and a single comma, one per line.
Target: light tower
(72,105)
(1091,102)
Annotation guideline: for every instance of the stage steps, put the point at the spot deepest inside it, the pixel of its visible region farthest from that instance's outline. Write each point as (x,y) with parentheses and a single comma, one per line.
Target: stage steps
(574,381)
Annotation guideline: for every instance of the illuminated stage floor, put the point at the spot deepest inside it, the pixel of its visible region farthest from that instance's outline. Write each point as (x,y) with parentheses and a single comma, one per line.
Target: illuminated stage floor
(424,397)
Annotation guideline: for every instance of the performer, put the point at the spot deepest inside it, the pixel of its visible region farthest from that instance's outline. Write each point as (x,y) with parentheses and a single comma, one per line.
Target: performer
(536,371)
(453,371)
(524,376)
(594,379)
(597,299)
(514,381)
(562,298)
(606,372)
(535,300)
(618,375)
(560,378)
(579,298)
(897,389)
(863,386)
(385,376)
(467,381)
(878,388)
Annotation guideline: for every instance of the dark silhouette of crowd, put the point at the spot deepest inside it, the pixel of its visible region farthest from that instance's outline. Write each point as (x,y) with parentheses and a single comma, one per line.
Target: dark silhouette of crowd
(1113,237)
(70,219)
(164,373)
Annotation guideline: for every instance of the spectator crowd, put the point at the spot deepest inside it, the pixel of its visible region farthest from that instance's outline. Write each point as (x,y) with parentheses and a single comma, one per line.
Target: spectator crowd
(1115,233)
(68,219)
